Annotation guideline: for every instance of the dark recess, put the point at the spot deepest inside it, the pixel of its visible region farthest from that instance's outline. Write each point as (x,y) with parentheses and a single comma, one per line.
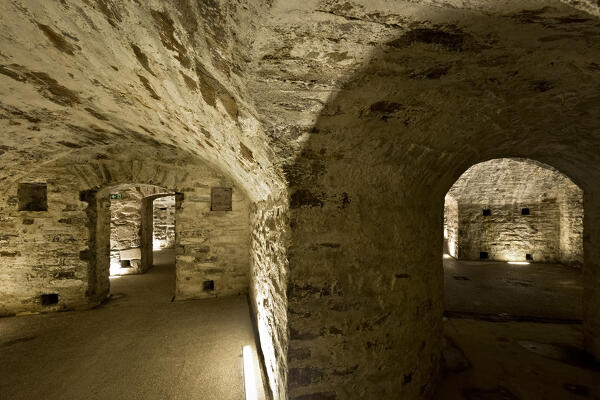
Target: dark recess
(208,286)
(33,197)
(49,299)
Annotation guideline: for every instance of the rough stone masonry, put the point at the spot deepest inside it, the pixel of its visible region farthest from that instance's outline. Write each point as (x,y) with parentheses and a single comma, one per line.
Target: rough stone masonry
(339,125)
(515,210)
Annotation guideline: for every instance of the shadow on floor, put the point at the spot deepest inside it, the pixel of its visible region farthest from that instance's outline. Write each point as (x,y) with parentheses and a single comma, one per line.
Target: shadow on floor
(545,292)
(495,351)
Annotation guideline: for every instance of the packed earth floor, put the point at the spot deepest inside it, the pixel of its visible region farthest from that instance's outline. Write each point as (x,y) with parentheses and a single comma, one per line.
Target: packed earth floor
(514,332)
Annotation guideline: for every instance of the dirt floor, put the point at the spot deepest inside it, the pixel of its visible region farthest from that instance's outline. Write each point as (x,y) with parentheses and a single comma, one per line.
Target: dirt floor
(517,360)
(514,332)
(535,291)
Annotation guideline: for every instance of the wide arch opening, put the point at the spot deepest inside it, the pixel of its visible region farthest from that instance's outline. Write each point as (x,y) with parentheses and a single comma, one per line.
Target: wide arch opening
(514,210)
(512,261)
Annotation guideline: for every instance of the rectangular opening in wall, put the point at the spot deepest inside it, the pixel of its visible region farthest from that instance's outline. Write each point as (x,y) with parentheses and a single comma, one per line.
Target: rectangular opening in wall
(528,257)
(33,197)
(125,263)
(484,255)
(524,211)
(487,212)
(49,299)
(208,286)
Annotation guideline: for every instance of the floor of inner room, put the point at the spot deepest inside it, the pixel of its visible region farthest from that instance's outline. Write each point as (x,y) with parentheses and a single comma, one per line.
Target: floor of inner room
(138,345)
(496,290)
(514,332)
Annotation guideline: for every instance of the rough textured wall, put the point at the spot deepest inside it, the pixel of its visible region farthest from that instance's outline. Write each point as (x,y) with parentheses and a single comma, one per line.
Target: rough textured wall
(51,252)
(269,246)
(506,235)
(375,108)
(504,187)
(41,252)
(212,246)
(163,234)
(451,225)
(571,227)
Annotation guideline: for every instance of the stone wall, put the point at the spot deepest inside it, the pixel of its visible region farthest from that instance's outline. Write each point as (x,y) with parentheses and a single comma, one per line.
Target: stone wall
(570,202)
(506,235)
(377,108)
(43,252)
(65,250)
(212,246)
(163,233)
(451,226)
(492,199)
(269,246)
(372,108)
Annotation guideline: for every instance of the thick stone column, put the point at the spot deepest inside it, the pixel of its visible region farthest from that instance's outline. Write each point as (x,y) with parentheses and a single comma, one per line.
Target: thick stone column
(147,228)
(591,273)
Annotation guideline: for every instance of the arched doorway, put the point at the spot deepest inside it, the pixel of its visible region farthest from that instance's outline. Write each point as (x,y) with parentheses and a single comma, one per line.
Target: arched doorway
(513,260)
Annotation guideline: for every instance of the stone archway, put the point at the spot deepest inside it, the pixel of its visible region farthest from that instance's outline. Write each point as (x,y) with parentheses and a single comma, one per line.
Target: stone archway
(368,185)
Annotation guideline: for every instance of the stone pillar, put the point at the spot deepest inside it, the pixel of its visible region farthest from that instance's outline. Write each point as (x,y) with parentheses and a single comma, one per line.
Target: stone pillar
(146,237)
(97,254)
(591,273)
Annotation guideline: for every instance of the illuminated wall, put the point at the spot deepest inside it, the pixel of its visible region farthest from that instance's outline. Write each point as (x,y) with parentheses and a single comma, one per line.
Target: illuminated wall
(65,250)
(515,210)
(164,223)
(451,226)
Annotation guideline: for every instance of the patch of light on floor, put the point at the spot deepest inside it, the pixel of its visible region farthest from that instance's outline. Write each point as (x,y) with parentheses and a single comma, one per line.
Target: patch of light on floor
(249,374)
(519,262)
(159,244)
(447,256)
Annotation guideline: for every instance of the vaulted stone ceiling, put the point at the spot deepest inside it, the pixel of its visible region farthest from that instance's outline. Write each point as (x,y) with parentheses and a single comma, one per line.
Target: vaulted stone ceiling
(216,79)
(94,76)
(495,69)
(364,112)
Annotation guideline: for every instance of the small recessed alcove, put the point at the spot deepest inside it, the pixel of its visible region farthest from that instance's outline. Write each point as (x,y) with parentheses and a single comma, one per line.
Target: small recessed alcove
(33,197)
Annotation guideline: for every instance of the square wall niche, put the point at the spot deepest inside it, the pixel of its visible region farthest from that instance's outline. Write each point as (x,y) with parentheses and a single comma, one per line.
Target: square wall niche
(49,299)
(33,197)
(221,199)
